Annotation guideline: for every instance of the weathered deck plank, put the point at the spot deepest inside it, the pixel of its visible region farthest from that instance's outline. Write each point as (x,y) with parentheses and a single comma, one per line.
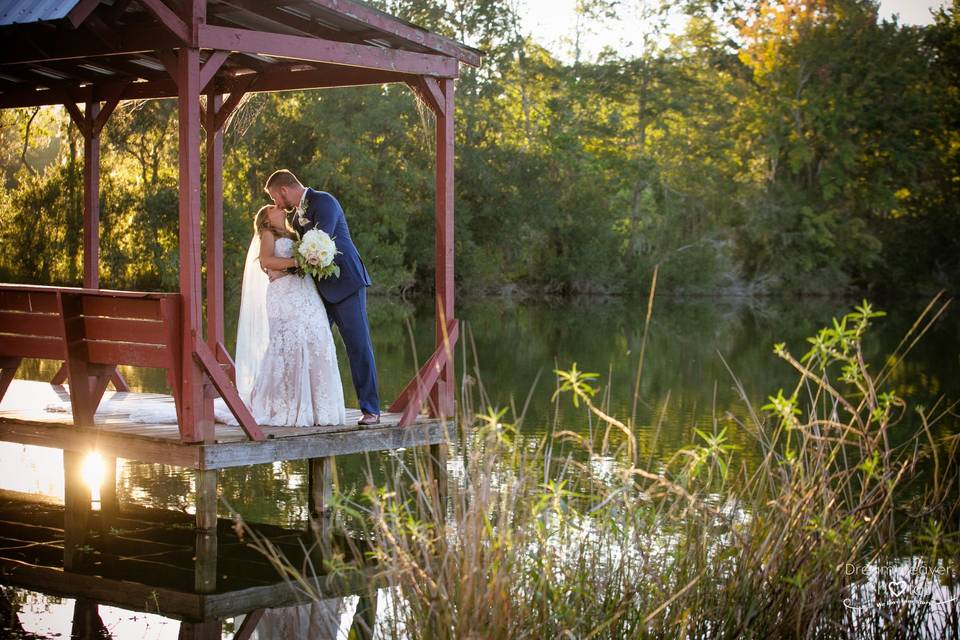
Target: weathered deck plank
(36,413)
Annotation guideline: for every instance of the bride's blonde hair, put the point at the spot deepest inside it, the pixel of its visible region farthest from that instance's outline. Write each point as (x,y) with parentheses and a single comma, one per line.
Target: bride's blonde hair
(261,221)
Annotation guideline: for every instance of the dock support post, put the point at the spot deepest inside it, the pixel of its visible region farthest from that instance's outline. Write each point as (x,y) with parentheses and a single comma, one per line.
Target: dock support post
(438,469)
(109,505)
(205,576)
(76,508)
(321,494)
(209,630)
(87,622)
(365,617)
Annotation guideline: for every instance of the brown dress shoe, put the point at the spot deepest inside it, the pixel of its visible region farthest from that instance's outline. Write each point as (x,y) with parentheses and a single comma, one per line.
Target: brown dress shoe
(369,419)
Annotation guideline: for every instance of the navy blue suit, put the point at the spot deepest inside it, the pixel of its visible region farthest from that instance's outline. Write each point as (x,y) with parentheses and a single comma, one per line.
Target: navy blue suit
(345,297)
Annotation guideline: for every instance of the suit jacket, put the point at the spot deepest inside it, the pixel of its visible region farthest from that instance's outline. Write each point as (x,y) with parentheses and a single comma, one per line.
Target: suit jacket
(326,214)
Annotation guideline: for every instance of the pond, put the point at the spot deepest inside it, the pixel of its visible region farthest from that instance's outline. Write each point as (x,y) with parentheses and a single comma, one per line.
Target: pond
(697,357)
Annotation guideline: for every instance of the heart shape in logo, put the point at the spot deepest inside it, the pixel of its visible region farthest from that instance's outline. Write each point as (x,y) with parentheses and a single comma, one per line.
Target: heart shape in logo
(897,587)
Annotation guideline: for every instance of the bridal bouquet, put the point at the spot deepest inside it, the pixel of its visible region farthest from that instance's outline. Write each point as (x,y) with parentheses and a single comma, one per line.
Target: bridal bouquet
(314,254)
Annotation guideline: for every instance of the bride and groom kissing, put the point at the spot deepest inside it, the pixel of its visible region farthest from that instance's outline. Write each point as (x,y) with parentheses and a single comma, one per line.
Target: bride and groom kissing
(286,361)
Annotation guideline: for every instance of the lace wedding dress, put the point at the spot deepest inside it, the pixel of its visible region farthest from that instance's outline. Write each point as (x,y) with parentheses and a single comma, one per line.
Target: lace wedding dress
(286,362)
(298,381)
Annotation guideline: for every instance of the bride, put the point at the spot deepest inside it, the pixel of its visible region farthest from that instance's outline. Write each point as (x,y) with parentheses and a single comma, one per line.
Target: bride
(286,361)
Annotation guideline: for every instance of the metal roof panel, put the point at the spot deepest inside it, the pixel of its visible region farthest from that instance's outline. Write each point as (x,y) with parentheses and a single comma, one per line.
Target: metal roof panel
(27,11)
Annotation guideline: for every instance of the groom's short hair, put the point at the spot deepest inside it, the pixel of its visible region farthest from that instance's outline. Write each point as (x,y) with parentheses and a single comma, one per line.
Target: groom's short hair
(281,178)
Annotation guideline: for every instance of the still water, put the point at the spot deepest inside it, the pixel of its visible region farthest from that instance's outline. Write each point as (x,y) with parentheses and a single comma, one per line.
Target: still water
(696,354)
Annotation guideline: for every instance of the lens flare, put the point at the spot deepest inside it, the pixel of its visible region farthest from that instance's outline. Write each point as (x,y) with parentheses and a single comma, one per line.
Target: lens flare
(93,471)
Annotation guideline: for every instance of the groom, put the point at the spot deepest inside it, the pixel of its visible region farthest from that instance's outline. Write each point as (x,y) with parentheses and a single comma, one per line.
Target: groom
(345,297)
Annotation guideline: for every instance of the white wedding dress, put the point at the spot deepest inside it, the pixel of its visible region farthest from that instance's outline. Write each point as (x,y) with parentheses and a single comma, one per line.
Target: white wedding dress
(286,362)
(297,382)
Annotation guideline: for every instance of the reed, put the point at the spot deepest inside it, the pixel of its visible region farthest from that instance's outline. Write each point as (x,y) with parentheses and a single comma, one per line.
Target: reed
(581,537)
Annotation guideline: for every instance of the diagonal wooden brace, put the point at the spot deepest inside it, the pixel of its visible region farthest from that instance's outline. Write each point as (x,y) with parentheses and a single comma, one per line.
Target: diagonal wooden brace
(119,383)
(8,369)
(219,379)
(413,396)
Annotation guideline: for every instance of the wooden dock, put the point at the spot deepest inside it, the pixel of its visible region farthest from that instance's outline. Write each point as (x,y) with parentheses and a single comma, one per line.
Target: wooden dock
(193,584)
(37,413)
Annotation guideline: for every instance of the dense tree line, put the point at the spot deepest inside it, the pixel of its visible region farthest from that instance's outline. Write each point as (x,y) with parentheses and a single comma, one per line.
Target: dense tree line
(803,146)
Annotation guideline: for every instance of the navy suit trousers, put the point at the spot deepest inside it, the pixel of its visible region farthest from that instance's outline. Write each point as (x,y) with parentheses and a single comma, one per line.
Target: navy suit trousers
(350,316)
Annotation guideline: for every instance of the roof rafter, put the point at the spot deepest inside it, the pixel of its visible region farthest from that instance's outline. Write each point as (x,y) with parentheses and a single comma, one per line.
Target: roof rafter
(327,51)
(391,25)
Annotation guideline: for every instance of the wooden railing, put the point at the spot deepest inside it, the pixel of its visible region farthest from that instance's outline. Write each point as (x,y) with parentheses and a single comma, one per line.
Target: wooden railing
(93,331)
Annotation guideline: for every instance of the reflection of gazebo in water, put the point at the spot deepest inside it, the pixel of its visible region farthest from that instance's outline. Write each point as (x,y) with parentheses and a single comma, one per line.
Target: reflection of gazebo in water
(148,560)
(97,53)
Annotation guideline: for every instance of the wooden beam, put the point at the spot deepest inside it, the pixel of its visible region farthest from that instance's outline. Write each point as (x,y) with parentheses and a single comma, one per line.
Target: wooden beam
(169,19)
(69,438)
(233,101)
(196,11)
(109,504)
(386,23)
(8,371)
(429,92)
(205,540)
(320,497)
(82,43)
(168,58)
(234,454)
(196,410)
(249,624)
(80,12)
(405,397)
(116,92)
(119,7)
(78,117)
(76,507)
(325,78)
(433,87)
(226,362)
(214,197)
(209,630)
(414,395)
(227,391)
(165,88)
(321,486)
(443,394)
(284,20)
(211,66)
(88,381)
(328,51)
(91,196)
(119,383)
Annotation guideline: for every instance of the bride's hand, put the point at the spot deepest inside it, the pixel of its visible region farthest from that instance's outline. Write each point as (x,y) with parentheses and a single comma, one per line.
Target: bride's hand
(273,274)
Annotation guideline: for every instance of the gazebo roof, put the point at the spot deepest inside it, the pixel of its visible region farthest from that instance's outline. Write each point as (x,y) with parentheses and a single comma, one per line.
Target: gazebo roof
(58,50)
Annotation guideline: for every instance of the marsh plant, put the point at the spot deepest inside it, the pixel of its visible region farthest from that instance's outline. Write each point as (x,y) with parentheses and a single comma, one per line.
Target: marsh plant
(844,526)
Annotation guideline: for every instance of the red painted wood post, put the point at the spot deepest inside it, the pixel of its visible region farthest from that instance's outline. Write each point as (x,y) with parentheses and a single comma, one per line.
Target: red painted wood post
(91,201)
(215,329)
(443,393)
(197,410)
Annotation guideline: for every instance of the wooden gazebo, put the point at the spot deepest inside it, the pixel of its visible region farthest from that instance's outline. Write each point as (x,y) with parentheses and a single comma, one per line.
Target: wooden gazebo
(89,55)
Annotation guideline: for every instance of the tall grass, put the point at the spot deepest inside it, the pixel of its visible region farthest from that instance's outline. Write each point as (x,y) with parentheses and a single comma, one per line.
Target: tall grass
(577,536)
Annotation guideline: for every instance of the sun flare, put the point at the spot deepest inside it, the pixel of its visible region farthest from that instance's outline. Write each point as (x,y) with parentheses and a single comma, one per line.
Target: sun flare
(93,471)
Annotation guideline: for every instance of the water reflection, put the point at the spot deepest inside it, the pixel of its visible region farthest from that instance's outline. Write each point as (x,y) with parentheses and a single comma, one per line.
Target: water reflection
(71,577)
